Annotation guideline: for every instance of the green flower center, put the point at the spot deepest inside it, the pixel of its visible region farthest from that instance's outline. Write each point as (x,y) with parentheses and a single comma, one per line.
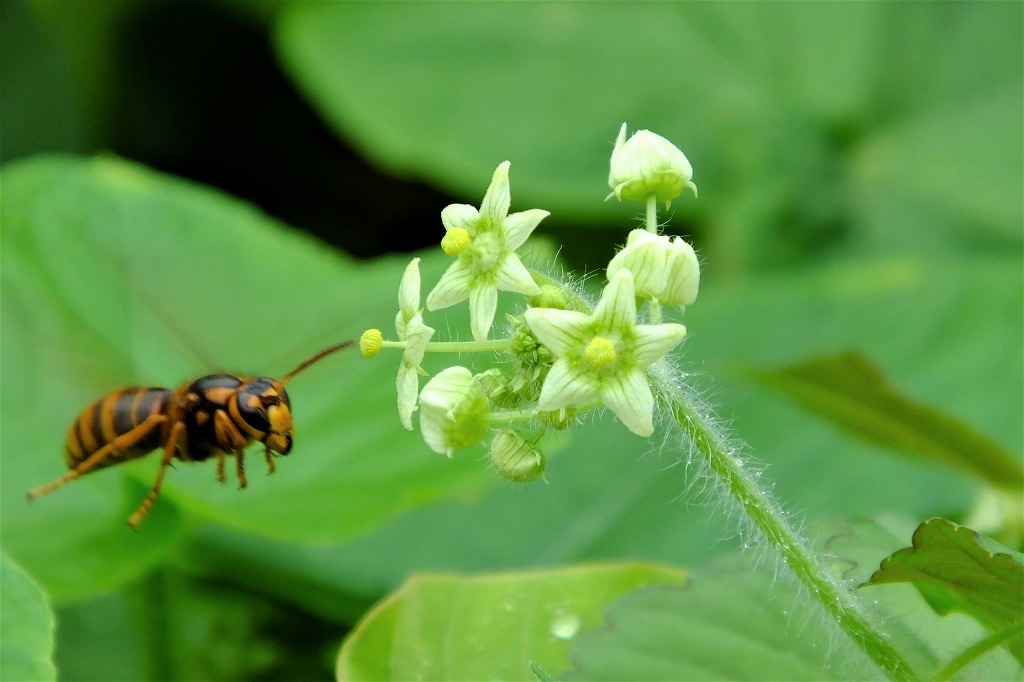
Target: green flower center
(486,252)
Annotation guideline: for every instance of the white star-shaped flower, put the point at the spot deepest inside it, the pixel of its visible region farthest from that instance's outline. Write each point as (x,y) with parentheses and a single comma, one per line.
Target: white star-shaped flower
(416,335)
(484,244)
(601,357)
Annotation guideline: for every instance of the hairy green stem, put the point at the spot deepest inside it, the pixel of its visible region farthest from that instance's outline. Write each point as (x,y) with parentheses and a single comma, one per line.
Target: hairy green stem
(764,513)
(488,346)
(577,302)
(512,416)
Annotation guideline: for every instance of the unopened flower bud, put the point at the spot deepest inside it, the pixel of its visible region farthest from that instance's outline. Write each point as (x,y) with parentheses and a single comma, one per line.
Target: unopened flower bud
(516,458)
(664,269)
(454,412)
(550,296)
(648,164)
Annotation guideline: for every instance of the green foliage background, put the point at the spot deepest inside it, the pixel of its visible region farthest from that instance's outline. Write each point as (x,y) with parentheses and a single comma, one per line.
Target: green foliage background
(860,170)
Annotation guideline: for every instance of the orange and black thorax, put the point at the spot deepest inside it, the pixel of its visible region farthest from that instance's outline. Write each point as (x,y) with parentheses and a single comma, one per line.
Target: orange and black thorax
(251,405)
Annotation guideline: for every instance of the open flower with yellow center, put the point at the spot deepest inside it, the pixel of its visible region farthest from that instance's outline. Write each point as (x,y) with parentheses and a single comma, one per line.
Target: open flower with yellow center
(483,243)
(601,357)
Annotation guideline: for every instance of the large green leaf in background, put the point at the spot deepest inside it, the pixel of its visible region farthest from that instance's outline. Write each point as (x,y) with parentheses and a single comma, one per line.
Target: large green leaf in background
(450,627)
(26,633)
(735,621)
(113,275)
(954,571)
(851,392)
(732,621)
(734,625)
(896,125)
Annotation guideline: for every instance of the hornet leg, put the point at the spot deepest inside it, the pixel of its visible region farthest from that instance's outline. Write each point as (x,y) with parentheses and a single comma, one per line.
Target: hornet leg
(172,442)
(124,441)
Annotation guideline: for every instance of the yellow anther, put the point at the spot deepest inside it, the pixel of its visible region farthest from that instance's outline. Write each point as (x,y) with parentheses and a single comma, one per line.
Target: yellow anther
(600,352)
(370,343)
(455,241)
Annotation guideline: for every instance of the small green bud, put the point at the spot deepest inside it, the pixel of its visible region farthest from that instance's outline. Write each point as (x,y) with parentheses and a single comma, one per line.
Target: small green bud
(516,458)
(648,164)
(550,296)
(497,388)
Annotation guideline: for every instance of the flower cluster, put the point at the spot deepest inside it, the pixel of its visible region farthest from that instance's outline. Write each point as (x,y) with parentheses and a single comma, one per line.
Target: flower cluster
(562,355)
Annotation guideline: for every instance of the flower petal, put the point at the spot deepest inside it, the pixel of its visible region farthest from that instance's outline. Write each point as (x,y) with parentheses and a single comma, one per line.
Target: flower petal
(416,336)
(519,226)
(483,302)
(409,290)
(494,207)
(565,386)
(559,330)
(654,341)
(407,385)
(513,276)
(617,307)
(452,288)
(454,413)
(629,396)
(460,215)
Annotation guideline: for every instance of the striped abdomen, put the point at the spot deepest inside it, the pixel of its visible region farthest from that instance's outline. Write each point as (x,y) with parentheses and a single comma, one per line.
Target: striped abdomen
(111,416)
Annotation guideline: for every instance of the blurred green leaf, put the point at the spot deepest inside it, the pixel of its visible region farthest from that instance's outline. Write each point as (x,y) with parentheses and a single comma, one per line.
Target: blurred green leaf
(727,625)
(928,640)
(487,627)
(949,175)
(26,626)
(853,393)
(952,570)
(732,621)
(114,275)
(809,125)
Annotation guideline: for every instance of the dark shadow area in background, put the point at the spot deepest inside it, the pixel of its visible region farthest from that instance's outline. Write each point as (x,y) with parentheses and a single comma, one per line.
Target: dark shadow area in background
(199,92)
(193,88)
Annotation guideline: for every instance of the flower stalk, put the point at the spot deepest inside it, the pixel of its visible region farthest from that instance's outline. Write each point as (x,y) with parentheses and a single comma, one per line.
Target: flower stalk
(764,514)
